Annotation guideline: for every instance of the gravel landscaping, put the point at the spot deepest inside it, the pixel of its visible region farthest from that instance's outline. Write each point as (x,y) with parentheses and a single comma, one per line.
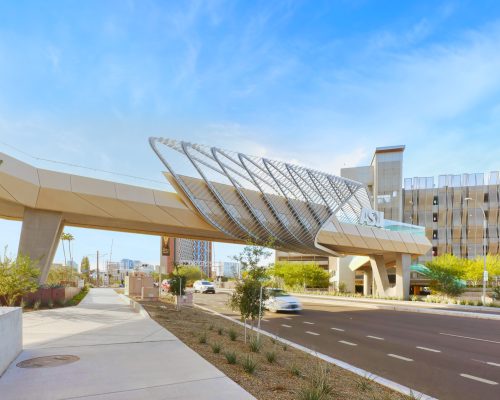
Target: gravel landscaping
(267,369)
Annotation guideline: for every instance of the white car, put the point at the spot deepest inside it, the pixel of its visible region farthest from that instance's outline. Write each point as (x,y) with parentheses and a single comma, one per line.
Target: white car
(203,287)
(279,300)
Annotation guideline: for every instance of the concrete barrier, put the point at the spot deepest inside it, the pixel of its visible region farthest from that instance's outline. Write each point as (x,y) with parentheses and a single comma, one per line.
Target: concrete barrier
(11,335)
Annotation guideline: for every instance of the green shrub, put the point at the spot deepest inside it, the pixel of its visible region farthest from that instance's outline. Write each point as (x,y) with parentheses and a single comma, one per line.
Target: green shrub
(270,357)
(232,334)
(216,347)
(294,370)
(255,345)
(309,393)
(231,357)
(220,331)
(211,327)
(285,347)
(50,303)
(202,339)
(249,364)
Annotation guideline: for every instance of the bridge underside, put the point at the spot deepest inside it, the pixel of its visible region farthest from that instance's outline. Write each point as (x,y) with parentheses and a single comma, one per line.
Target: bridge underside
(47,201)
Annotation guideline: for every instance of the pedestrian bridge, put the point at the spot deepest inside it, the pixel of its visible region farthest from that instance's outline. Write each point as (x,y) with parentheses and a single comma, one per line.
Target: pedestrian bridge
(298,209)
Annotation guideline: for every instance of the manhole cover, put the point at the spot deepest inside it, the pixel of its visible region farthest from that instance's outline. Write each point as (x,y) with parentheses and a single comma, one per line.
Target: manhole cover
(47,361)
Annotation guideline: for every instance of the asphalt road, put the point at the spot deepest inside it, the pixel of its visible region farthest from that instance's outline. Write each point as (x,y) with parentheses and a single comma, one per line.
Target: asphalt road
(442,356)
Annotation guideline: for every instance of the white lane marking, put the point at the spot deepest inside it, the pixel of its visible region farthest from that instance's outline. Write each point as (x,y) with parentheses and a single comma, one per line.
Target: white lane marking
(375,337)
(287,317)
(337,329)
(467,337)
(475,378)
(312,333)
(265,320)
(492,363)
(427,349)
(347,343)
(308,323)
(286,326)
(399,357)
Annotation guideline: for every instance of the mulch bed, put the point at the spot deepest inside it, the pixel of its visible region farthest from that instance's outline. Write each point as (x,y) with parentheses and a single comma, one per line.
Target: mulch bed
(289,377)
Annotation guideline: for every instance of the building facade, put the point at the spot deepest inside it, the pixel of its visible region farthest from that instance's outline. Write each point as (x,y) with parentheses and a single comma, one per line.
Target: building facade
(179,251)
(458,213)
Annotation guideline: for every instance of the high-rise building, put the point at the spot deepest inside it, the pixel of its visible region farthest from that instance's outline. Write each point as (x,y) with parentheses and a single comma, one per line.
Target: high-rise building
(179,251)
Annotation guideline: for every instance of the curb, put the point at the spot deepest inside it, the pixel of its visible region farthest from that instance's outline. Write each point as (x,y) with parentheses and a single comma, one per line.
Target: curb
(415,309)
(135,306)
(358,371)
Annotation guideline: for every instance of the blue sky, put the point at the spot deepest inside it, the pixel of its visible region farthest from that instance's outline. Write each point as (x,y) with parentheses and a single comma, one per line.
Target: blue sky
(320,83)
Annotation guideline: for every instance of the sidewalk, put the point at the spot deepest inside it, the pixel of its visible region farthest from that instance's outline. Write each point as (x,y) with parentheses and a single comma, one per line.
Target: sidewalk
(122,355)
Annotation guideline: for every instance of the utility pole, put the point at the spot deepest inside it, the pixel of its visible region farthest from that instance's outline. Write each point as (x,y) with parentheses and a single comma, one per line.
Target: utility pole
(97,268)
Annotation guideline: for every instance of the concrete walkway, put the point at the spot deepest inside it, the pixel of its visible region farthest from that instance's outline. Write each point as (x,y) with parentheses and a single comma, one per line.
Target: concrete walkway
(123,355)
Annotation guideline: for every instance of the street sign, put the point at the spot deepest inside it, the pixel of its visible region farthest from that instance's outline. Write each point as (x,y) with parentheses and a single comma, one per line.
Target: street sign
(485,276)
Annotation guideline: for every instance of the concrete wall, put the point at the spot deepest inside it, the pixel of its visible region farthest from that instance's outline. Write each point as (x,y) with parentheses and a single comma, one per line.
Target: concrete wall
(11,335)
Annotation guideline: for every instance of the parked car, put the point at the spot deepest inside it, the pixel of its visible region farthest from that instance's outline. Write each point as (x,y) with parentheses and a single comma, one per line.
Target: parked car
(279,300)
(203,287)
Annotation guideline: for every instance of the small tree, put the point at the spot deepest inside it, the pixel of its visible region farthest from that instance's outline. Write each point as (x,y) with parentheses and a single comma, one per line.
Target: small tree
(17,278)
(445,280)
(177,285)
(85,268)
(253,254)
(190,273)
(246,297)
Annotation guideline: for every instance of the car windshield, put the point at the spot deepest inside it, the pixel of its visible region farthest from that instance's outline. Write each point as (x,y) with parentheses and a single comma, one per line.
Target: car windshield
(206,283)
(277,293)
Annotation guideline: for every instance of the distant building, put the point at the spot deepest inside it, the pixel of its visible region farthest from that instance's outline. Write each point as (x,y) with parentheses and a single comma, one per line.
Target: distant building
(177,251)
(228,269)
(72,264)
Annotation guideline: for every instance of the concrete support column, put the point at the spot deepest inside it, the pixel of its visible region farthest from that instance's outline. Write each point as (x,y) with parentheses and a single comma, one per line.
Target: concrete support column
(403,262)
(344,274)
(40,237)
(367,283)
(380,275)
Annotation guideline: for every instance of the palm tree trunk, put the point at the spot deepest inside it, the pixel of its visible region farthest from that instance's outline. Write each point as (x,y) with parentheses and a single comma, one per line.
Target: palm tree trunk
(64,251)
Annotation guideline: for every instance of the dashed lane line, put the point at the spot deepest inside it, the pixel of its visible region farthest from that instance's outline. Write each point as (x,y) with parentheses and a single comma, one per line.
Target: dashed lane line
(476,378)
(493,364)
(375,337)
(428,349)
(308,323)
(337,329)
(347,343)
(285,326)
(312,333)
(468,337)
(399,357)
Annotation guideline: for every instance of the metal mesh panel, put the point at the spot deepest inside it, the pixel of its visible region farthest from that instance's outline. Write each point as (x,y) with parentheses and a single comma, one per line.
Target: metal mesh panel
(265,198)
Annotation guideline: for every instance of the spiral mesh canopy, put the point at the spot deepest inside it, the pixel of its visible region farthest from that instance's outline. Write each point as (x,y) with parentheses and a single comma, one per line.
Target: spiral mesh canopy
(264,199)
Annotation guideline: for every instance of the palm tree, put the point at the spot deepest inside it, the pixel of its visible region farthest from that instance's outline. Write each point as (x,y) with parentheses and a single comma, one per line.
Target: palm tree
(63,238)
(69,237)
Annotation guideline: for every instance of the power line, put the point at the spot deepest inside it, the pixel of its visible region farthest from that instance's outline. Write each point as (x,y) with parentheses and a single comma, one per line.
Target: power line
(80,166)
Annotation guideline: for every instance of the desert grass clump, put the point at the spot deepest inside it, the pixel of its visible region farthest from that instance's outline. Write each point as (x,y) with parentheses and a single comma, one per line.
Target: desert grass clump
(231,357)
(319,379)
(270,357)
(249,364)
(202,339)
(309,392)
(211,327)
(285,347)
(232,334)
(294,370)
(216,347)
(36,305)
(364,383)
(255,345)
(220,331)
